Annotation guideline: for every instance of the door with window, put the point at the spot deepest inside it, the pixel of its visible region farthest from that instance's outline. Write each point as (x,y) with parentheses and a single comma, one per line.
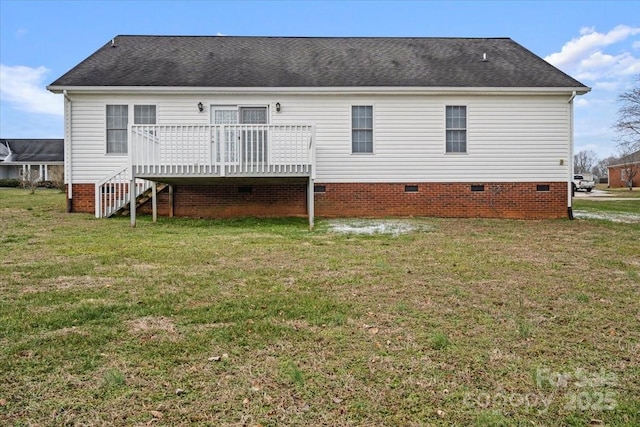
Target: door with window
(254,138)
(248,143)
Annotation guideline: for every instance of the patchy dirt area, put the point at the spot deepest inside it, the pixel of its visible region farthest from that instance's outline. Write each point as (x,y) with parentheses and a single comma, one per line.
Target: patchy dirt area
(151,327)
(626,218)
(394,227)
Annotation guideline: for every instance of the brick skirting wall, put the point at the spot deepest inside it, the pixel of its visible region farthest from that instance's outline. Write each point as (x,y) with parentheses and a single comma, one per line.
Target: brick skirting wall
(497,200)
(544,200)
(227,201)
(83,198)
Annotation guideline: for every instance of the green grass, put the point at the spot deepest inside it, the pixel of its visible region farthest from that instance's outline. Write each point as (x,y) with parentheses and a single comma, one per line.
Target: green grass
(621,206)
(451,324)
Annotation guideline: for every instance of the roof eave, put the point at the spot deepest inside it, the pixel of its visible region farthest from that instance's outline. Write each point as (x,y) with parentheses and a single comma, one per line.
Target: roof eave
(31,162)
(580,90)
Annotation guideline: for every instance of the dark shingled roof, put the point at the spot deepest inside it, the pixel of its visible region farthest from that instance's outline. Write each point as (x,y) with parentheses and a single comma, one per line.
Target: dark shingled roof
(33,150)
(629,159)
(221,61)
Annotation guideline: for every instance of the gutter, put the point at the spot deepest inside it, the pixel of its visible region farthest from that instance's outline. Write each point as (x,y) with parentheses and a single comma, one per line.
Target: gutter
(67,151)
(328,90)
(570,178)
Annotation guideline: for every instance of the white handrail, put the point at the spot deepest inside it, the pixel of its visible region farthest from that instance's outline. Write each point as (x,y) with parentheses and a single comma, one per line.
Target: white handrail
(112,192)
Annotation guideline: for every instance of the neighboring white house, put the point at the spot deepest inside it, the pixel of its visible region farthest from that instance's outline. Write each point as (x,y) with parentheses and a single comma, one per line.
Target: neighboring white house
(17,156)
(459,127)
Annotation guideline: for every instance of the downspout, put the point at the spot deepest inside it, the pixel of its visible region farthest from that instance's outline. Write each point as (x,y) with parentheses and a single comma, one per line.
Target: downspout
(570,177)
(67,151)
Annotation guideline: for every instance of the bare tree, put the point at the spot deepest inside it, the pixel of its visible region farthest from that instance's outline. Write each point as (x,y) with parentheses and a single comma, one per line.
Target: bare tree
(56,176)
(30,179)
(628,124)
(600,169)
(629,164)
(584,161)
(628,128)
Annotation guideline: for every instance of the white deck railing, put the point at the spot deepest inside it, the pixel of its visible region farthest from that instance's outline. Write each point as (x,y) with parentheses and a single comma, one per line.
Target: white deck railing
(221,150)
(112,193)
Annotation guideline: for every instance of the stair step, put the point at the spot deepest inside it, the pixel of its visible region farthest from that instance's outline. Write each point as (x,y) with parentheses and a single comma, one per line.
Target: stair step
(141,199)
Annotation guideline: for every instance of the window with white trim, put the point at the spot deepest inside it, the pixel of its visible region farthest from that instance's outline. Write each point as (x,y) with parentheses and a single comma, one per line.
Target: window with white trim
(362,129)
(117,123)
(456,129)
(144,114)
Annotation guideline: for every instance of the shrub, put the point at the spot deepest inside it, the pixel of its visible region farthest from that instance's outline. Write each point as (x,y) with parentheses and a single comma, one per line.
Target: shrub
(9,182)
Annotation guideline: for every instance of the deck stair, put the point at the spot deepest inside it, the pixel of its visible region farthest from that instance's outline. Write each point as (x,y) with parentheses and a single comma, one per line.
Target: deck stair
(141,199)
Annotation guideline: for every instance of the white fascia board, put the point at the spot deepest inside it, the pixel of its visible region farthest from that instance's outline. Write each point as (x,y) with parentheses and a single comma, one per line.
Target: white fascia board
(33,162)
(390,90)
(609,166)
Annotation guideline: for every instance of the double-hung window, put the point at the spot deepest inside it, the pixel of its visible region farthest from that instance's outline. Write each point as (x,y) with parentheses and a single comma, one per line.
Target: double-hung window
(118,121)
(362,129)
(456,129)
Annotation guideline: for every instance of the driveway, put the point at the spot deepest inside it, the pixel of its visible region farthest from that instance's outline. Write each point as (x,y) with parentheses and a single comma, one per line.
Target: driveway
(600,195)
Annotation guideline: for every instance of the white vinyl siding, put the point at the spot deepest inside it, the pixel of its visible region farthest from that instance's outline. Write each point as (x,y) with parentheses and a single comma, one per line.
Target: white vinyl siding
(516,138)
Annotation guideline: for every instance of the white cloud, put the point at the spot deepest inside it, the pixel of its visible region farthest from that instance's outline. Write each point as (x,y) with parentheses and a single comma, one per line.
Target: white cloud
(604,61)
(608,62)
(581,102)
(589,42)
(23,88)
(615,86)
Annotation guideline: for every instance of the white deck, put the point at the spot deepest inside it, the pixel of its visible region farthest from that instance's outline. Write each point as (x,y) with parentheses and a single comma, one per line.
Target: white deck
(198,151)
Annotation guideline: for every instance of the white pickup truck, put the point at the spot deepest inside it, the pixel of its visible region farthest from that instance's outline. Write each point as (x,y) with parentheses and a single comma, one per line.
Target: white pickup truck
(583,181)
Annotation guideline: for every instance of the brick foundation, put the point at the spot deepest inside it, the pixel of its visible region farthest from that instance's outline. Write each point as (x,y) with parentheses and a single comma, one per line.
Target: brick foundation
(83,199)
(498,200)
(226,201)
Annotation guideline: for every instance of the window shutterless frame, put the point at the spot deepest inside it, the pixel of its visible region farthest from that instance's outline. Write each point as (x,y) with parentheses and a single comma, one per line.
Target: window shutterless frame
(117,126)
(362,129)
(456,127)
(118,117)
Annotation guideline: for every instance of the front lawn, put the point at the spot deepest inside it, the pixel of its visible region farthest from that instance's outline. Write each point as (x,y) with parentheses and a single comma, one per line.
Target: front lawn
(261,322)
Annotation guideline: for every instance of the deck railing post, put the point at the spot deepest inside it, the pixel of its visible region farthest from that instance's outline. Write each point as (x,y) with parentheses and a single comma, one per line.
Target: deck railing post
(154,201)
(133,198)
(98,200)
(221,139)
(310,203)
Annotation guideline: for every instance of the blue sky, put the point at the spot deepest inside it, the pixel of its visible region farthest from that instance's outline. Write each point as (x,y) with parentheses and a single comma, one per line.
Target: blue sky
(596,42)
